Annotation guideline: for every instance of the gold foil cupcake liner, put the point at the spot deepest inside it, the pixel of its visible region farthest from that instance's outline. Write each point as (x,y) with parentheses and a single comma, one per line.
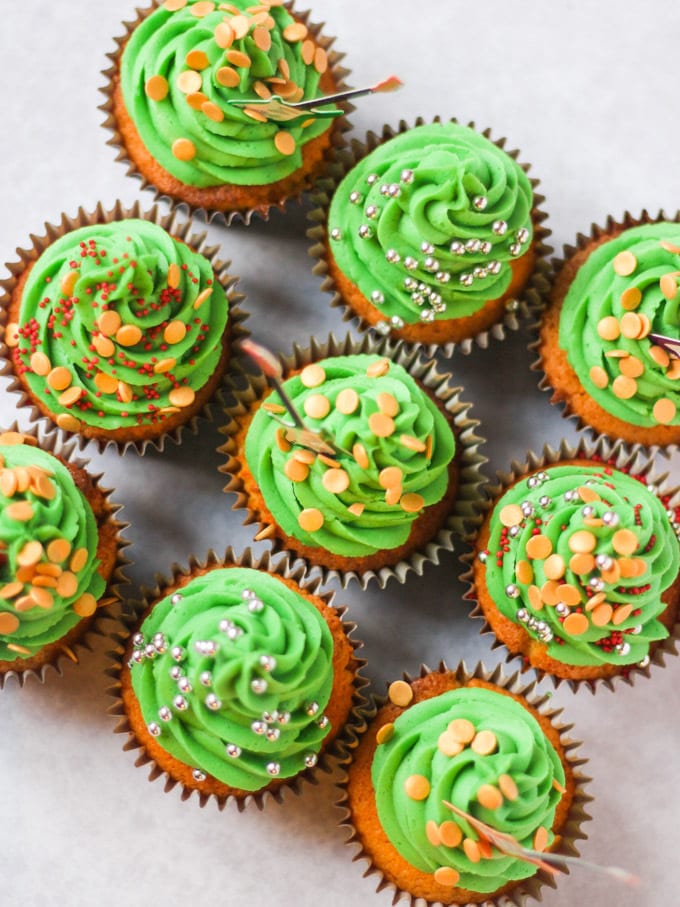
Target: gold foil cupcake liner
(283,567)
(178,228)
(516,310)
(615,454)
(108,607)
(340,125)
(425,372)
(569,834)
(598,234)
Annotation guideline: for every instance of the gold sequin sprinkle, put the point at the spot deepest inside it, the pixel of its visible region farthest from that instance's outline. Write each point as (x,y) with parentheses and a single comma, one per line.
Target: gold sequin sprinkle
(624,263)
(400,693)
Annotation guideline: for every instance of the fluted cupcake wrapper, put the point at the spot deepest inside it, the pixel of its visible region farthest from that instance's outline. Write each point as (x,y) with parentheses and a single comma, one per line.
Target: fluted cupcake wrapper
(469,460)
(339,127)
(177,227)
(109,605)
(614,454)
(633,436)
(516,310)
(340,747)
(524,890)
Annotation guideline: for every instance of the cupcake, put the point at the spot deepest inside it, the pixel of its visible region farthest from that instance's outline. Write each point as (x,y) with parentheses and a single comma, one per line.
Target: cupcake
(577,566)
(432,234)
(392,470)
(449,750)
(59,554)
(179,78)
(617,288)
(237,680)
(116,330)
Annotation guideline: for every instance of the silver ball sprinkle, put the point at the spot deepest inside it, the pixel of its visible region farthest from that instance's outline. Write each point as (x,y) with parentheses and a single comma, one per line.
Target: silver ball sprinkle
(365,232)
(311,760)
(212,702)
(442,276)
(527,508)
(138,639)
(355,197)
(543,476)
(393,190)
(512,591)
(258,685)
(485,247)
(180,703)
(283,717)
(645,662)
(431,264)
(396,322)
(609,518)
(377,298)
(532,623)
(604,562)
(466,279)
(267,662)
(372,211)
(588,511)
(233,750)
(175,672)
(198,775)
(273,768)
(623,648)
(247,594)
(522,235)
(208,647)
(512,305)
(406,176)
(472,245)
(154,729)
(177,653)
(382,327)
(160,643)
(176,598)
(483,557)
(259,728)
(545,501)
(513,531)
(255,606)
(206,678)
(269,716)
(596,583)
(479,273)
(164,713)
(410,283)
(410,263)
(494,267)
(562,609)
(385,190)
(392,256)
(499,227)
(522,615)
(480,202)
(515,249)
(570,496)
(636,630)
(272,734)
(427,315)
(312,709)
(372,178)
(136,658)
(457,247)
(150,650)
(323,721)
(426,248)
(533,482)
(184,685)
(335,234)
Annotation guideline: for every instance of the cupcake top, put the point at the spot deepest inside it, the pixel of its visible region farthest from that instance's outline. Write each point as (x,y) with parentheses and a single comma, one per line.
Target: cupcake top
(392,446)
(486,754)
(428,224)
(48,547)
(119,325)
(580,555)
(232,673)
(626,289)
(188,59)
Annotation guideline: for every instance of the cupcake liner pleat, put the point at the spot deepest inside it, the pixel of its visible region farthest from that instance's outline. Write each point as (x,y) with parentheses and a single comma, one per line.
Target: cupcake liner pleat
(109,606)
(516,310)
(341,746)
(177,227)
(634,461)
(226,218)
(470,461)
(570,833)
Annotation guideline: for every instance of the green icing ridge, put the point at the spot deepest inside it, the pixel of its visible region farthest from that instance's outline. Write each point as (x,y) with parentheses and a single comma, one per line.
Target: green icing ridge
(416,195)
(66,515)
(244,627)
(123,267)
(381,526)
(238,149)
(595,293)
(636,509)
(523,752)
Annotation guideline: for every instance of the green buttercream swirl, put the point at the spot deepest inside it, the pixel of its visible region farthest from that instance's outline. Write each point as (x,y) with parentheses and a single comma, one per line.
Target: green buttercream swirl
(523,752)
(381,525)
(595,293)
(554,500)
(237,149)
(237,628)
(415,195)
(66,515)
(122,267)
